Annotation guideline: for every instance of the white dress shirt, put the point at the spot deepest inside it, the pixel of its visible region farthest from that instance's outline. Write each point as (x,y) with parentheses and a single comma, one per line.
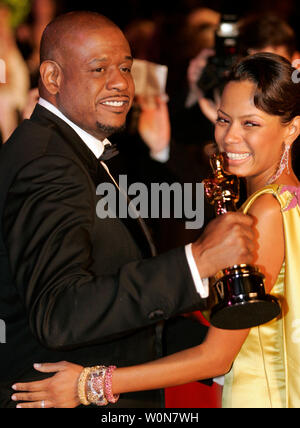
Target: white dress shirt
(97,147)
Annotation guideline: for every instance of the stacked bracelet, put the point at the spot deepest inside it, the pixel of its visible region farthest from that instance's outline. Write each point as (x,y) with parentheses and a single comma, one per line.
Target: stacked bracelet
(108,385)
(81,386)
(95,386)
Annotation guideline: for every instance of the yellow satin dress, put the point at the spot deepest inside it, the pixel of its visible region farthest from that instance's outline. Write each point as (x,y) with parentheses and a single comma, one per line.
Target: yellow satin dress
(266,372)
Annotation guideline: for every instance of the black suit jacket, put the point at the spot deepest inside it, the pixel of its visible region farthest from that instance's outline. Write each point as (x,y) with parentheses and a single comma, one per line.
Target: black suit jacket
(75,287)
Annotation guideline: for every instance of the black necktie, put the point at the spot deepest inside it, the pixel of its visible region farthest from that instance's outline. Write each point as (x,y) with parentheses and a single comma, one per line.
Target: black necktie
(110,150)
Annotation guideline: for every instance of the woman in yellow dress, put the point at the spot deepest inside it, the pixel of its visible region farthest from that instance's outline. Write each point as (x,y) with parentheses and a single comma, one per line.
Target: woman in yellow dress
(258,121)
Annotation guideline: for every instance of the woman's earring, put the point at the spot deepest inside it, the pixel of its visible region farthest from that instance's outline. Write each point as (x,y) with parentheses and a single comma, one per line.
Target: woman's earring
(284,164)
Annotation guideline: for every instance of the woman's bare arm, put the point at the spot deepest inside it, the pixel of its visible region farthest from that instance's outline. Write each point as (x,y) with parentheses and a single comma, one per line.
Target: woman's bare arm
(210,359)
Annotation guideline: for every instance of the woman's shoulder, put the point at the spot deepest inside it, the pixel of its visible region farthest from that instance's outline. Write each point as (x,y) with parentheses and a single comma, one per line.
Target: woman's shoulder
(264,201)
(266,205)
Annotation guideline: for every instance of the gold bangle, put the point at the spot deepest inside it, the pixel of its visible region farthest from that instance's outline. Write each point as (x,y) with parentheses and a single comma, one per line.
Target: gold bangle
(81,386)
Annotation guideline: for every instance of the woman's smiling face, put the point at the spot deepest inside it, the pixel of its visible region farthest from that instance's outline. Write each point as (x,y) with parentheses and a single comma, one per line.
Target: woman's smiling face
(251,138)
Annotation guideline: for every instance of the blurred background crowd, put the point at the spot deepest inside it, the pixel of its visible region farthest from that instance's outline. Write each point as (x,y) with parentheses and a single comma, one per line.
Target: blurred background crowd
(166,33)
(175,34)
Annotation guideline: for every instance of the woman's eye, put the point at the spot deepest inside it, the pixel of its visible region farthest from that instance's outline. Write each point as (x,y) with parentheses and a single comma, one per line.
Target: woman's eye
(99,70)
(221,120)
(250,124)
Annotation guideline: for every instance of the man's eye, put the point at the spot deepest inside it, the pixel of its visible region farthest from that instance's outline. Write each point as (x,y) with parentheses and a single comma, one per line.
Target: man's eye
(99,69)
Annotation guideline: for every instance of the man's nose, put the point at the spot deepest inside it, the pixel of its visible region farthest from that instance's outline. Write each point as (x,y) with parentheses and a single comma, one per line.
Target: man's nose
(117,80)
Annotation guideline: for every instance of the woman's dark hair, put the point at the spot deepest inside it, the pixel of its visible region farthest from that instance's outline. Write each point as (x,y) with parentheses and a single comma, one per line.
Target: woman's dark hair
(276,92)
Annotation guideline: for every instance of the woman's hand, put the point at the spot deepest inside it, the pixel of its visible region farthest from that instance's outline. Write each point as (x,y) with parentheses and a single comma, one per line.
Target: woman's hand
(59,390)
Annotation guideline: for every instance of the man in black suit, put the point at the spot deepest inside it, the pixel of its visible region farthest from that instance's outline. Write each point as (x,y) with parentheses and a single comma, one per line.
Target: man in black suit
(73,286)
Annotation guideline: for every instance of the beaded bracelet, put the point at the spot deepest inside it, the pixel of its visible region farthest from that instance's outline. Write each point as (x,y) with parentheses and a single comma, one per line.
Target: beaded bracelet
(108,386)
(96,386)
(81,386)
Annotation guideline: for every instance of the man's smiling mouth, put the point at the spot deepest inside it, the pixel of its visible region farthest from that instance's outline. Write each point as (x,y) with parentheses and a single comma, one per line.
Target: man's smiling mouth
(114,103)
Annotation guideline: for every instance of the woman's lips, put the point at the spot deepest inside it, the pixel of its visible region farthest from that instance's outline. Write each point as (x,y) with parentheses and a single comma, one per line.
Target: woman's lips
(233,158)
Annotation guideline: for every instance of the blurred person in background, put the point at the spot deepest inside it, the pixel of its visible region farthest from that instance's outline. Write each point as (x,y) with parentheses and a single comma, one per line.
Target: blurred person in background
(257,33)
(189,125)
(30,32)
(267,33)
(141,34)
(200,26)
(28,37)
(180,36)
(13,91)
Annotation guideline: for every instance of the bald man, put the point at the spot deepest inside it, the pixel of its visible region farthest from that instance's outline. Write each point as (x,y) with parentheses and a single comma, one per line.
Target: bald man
(74,286)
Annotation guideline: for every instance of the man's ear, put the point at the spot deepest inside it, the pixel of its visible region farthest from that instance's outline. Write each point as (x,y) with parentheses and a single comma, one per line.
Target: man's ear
(51,75)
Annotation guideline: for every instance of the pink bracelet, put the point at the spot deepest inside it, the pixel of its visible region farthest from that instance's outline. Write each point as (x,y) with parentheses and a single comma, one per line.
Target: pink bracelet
(108,386)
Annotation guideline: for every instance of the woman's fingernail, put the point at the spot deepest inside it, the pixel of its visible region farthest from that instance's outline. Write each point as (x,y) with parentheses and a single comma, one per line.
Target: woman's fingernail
(18,406)
(13,397)
(37,365)
(14,387)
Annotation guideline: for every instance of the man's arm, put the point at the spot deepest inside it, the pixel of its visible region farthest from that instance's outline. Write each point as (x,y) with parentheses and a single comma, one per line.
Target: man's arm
(48,226)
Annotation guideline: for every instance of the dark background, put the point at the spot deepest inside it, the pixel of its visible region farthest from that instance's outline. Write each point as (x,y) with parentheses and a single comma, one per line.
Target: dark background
(122,12)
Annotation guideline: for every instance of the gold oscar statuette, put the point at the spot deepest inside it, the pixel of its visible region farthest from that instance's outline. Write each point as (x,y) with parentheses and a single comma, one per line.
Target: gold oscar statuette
(238,297)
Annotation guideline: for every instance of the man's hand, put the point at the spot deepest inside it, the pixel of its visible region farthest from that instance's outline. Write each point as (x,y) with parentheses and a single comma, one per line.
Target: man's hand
(227,240)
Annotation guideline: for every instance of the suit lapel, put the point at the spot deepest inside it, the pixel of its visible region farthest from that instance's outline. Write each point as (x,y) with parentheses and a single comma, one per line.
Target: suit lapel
(46,118)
